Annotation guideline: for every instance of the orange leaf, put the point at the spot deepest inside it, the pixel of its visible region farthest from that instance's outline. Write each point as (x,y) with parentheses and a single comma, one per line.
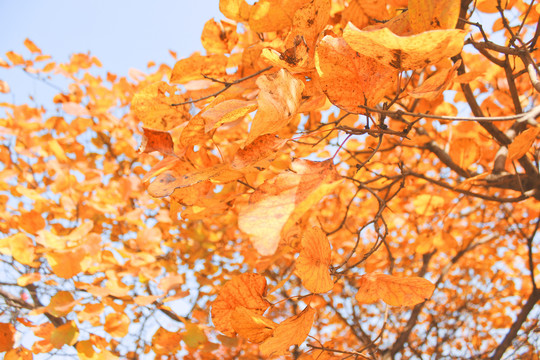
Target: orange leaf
(117,324)
(32,222)
(252,326)
(259,150)
(152,106)
(219,37)
(393,290)
(19,353)
(313,263)
(436,84)
(245,290)
(15,58)
(273,15)
(4,87)
(196,66)
(7,337)
(278,100)
(522,143)
(278,203)
(22,249)
(166,342)
(465,151)
(350,79)
(61,304)
(405,52)
(427,205)
(292,331)
(155,140)
(65,334)
(31,46)
(27,279)
(226,112)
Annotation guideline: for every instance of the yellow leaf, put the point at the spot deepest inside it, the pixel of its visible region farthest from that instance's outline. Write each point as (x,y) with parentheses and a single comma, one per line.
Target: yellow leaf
(278,100)
(405,52)
(292,331)
(117,324)
(22,249)
(152,106)
(27,279)
(237,10)
(278,203)
(393,290)
(245,290)
(349,78)
(522,143)
(252,326)
(425,15)
(427,205)
(273,15)
(465,151)
(313,263)
(219,37)
(85,350)
(65,334)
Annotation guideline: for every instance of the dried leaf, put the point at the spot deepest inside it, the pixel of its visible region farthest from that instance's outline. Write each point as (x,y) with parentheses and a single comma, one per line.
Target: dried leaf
(405,52)
(259,150)
(245,290)
(434,86)
(155,140)
(350,79)
(292,331)
(393,290)
(278,203)
(226,112)
(313,263)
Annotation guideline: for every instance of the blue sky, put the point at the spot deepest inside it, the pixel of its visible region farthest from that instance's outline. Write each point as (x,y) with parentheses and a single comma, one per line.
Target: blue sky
(122,34)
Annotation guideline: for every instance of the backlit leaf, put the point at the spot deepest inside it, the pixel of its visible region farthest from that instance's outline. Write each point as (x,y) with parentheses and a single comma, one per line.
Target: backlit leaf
(313,263)
(196,66)
(251,325)
(278,203)
(522,143)
(117,324)
(464,151)
(7,337)
(393,290)
(405,52)
(155,140)
(66,334)
(292,331)
(358,80)
(245,290)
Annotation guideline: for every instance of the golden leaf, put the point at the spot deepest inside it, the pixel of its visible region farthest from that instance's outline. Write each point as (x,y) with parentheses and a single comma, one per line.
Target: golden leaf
(237,10)
(292,331)
(7,337)
(313,263)
(197,65)
(219,37)
(393,290)
(66,334)
(166,342)
(405,52)
(245,290)
(61,304)
(349,78)
(273,15)
(278,203)
(226,112)
(117,324)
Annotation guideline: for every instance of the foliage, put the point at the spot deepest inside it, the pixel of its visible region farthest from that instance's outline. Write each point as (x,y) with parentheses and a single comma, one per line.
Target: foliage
(330,180)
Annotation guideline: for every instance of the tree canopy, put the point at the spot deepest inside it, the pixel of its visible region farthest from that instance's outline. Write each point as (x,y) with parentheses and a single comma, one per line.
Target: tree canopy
(331,179)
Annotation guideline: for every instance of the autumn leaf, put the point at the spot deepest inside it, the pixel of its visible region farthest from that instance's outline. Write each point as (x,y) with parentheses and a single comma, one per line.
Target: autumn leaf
(198,66)
(152,106)
(278,101)
(405,52)
(166,342)
(273,15)
(226,112)
(393,290)
(7,337)
(117,324)
(61,304)
(434,86)
(251,325)
(155,140)
(245,290)
(522,143)
(358,81)
(277,204)
(4,87)
(292,331)
(313,263)
(31,46)
(425,15)
(219,37)
(237,10)
(66,334)
(257,151)
(464,151)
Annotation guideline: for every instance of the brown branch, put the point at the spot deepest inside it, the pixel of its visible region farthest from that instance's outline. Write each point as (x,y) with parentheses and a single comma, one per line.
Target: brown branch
(512,333)
(227,85)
